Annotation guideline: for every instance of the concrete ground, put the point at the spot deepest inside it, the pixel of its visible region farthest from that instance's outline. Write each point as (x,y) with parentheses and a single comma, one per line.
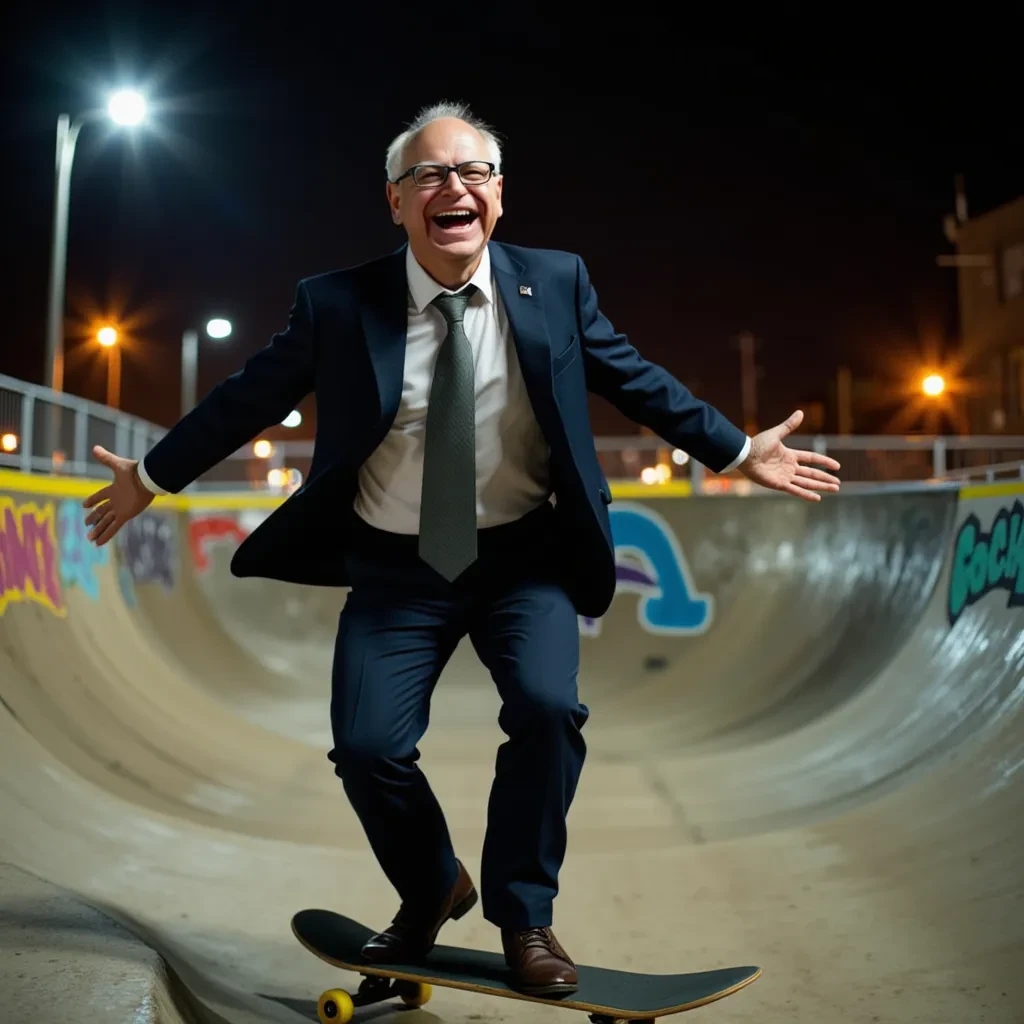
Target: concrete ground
(822,776)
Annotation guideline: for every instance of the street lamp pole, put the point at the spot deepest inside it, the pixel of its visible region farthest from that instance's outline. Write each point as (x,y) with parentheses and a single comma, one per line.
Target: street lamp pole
(189,370)
(125,108)
(67,136)
(217,329)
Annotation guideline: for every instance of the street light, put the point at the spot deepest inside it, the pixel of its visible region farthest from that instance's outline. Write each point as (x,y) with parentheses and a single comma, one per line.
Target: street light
(107,337)
(933,385)
(217,328)
(125,108)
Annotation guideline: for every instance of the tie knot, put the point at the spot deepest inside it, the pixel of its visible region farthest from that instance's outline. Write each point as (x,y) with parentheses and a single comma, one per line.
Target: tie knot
(453,307)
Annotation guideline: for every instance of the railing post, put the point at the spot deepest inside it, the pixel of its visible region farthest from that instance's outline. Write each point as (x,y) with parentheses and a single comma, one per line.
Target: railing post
(122,429)
(939,457)
(80,440)
(140,433)
(696,476)
(28,419)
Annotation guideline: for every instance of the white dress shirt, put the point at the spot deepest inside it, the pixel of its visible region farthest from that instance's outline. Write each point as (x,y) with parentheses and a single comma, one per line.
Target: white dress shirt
(511,452)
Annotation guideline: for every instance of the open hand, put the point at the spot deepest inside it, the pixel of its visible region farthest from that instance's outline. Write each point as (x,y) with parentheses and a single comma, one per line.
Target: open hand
(114,505)
(771,464)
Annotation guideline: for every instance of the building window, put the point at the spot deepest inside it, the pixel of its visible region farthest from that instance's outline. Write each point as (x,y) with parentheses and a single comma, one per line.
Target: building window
(1013,271)
(1015,380)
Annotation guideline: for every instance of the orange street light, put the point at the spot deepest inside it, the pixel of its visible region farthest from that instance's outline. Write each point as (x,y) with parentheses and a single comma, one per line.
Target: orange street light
(107,337)
(933,385)
(9,443)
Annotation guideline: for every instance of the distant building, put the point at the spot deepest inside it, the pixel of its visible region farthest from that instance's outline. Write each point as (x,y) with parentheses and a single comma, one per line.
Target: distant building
(990,285)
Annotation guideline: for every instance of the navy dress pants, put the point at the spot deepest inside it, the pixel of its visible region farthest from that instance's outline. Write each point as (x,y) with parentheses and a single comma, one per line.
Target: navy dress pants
(398,628)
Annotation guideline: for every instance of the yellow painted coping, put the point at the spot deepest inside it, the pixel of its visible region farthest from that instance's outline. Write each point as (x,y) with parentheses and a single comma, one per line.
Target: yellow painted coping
(80,487)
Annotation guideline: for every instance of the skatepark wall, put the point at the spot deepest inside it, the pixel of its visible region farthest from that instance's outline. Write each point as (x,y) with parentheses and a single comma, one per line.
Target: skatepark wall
(736,619)
(773,672)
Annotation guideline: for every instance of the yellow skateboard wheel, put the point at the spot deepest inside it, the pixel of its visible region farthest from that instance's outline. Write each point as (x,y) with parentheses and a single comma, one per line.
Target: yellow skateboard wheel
(414,993)
(335,1007)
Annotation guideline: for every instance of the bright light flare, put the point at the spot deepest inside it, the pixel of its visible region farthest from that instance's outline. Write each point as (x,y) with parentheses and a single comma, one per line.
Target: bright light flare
(218,328)
(107,337)
(293,419)
(127,107)
(9,443)
(933,385)
(263,449)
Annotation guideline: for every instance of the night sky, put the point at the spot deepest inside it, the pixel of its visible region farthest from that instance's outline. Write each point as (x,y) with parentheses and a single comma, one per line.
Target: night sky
(790,181)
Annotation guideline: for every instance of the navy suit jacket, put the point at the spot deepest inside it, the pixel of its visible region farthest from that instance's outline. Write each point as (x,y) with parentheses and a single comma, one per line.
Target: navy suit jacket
(345,341)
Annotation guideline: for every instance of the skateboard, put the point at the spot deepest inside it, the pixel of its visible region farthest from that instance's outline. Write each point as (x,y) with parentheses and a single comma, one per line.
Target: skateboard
(608,996)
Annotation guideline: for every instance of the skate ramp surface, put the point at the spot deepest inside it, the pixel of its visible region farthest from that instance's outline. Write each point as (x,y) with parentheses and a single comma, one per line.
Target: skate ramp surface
(805,752)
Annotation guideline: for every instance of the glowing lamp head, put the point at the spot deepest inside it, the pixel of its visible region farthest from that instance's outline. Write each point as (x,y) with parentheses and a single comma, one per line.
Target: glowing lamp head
(127,107)
(9,443)
(933,385)
(263,449)
(107,337)
(218,328)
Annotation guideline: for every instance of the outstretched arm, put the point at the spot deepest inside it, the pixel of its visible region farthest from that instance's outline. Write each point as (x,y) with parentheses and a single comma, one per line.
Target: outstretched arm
(261,394)
(650,395)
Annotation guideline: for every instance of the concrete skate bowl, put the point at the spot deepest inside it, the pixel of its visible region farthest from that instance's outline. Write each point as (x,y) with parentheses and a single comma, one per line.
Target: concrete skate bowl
(807,756)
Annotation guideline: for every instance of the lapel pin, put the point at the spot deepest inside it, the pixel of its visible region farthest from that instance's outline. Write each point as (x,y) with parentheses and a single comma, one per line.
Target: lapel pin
(525,289)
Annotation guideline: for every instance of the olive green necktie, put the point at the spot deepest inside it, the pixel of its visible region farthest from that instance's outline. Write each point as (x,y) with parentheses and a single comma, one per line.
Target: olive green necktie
(447,539)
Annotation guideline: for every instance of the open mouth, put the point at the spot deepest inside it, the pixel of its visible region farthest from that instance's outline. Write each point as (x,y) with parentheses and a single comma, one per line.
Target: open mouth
(455,220)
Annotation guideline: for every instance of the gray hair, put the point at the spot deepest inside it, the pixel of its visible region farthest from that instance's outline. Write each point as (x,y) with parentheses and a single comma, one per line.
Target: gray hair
(435,112)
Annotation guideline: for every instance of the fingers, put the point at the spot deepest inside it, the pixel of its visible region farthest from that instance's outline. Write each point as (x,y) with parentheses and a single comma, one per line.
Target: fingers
(800,492)
(791,423)
(102,524)
(97,514)
(816,477)
(108,532)
(817,458)
(97,497)
(102,455)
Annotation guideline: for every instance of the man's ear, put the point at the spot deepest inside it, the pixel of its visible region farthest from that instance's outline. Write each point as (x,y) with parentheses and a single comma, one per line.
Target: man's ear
(395,203)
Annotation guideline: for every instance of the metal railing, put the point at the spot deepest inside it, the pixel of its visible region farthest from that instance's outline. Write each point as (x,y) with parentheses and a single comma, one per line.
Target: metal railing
(54,433)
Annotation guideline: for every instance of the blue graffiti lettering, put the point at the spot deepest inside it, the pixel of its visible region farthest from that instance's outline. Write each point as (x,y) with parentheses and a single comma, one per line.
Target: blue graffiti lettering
(669,602)
(79,558)
(983,562)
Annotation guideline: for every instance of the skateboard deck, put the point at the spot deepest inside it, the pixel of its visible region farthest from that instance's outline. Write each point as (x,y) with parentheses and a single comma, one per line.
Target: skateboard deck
(606,994)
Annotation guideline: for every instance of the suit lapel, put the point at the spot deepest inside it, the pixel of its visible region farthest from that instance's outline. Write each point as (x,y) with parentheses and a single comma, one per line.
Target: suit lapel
(384,314)
(523,298)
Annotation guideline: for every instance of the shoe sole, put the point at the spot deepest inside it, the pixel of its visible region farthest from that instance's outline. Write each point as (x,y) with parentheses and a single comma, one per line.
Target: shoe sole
(562,989)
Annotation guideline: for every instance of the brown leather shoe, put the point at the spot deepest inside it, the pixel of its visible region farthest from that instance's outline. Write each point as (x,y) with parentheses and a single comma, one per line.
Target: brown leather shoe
(413,932)
(539,965)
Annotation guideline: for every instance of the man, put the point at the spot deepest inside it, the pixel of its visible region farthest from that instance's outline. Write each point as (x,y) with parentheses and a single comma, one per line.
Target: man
(456,489)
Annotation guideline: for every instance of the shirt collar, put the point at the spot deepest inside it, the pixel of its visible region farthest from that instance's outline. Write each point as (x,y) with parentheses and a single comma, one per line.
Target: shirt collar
(423,289)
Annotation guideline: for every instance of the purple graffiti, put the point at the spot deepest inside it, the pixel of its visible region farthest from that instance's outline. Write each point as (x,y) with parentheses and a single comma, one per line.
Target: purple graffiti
(628,577)
(28,556)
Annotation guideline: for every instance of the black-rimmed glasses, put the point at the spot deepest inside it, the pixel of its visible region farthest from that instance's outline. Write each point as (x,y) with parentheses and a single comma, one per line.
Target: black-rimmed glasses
(471,172)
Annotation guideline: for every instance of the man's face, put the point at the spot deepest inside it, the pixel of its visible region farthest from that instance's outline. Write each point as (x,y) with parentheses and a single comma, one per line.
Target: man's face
(450,222)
